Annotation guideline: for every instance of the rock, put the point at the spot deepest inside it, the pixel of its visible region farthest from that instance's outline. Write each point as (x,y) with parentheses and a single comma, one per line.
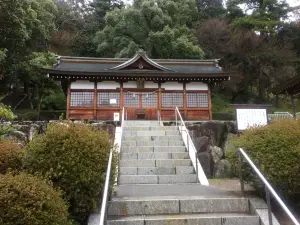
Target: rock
(228,143)
(18,136)
(206,162)
(215,130)
(201,143)
(216,153)
(222,169)
(231,127)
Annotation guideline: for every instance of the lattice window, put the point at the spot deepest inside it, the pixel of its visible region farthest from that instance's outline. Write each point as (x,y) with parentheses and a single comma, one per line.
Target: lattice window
(197,100)
(172,99)
(82,99)
(131,99)
(108,99)
(149,99)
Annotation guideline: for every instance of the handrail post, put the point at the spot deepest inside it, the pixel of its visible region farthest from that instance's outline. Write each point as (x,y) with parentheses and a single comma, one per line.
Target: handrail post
(241,172)
(187,140)
(196,161)
(176,117)
(269,205)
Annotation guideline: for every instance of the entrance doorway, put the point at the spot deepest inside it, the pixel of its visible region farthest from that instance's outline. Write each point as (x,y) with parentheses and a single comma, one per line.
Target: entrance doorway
(141,105)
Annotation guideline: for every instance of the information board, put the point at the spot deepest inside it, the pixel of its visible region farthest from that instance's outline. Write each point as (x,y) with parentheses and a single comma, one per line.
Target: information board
(247,118)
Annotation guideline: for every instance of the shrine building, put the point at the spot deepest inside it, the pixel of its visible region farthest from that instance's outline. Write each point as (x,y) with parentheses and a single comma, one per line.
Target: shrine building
(98,88)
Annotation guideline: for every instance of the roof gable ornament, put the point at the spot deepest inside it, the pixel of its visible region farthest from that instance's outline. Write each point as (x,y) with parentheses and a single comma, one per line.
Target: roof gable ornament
(141,61)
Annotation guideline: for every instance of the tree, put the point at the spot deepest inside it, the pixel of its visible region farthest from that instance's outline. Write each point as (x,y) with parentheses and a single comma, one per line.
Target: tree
(25,26)
(161,27)
(210,9)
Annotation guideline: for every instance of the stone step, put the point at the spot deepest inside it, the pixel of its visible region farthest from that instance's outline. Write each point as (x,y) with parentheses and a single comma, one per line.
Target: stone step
(148,128)
(188,219)
(179,170)
(152,143)
(155,163)
(176,205)
(155,155)
(157,179)
(153,149)
(134,133)
(153,137)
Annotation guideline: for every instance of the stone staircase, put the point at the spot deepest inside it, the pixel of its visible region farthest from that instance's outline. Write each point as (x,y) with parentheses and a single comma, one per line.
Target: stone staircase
(157,185)
(152,154)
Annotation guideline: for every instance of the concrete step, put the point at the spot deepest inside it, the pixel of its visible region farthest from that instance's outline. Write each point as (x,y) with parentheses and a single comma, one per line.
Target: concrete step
(188,219)
(153,149)
(134,133)
(153,138)
(176,205)
(157,179)
(155,155)
(148,128)
(152,143)
(179,170)
(155,163)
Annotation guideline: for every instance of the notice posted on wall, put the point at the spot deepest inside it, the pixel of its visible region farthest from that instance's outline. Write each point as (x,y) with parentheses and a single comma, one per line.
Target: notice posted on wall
(112,101)
(247,118)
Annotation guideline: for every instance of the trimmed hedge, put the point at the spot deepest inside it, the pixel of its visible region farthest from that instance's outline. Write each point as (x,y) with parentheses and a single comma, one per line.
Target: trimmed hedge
(10,156)
(74,157)
(275,148)
(28,200)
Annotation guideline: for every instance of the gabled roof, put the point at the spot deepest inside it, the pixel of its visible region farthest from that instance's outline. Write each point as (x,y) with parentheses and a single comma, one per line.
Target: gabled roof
(142,59)
(291,86)
(140,66)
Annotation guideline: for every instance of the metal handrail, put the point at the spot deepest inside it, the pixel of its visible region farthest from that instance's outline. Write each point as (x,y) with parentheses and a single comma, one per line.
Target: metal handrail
(268,187)
(103,211)
(189,140)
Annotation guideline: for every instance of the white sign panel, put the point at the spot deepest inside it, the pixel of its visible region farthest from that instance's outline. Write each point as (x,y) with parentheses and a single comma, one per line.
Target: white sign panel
(113,101)
(116,116)
(247,118)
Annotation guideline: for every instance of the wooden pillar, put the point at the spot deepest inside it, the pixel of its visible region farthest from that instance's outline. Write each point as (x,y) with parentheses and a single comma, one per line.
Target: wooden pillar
(95,101)
(184,101)
(159,100)
(209,103)
(293,105)
(68,101)
(121,97)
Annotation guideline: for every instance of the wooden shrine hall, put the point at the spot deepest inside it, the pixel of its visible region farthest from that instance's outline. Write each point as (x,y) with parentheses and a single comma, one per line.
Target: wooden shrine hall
(98,88)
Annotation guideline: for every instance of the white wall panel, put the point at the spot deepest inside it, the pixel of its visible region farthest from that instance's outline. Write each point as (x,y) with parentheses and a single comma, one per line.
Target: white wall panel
(172,86)
(150,84)
(82,84)
(108,85)
(196,86)
(130,84)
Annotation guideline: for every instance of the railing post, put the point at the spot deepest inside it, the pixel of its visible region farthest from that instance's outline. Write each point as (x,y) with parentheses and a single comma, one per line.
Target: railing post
(241,172)
(269,205)
(176,117)
(196,161)
(187,141)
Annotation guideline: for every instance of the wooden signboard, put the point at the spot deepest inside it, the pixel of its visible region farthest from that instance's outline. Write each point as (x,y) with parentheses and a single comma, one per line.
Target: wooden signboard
(248,116)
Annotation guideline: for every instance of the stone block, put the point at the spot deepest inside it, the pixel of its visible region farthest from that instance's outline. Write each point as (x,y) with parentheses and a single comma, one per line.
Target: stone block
(126,221)
(155,155)
(206,162)
(180,155)
(182,220)
(136,138)
(129,143)
(238,220)
(173,162)
(216,153)
(151,133)
(176,143)
(138,179)
(264,217)
(125,156)
(143,207)
(172,132)
(177,179)
(155,171)
(185,170)
(128,171)
(152,143)
(169,149)
(137,163)
(136,149)
(217,205)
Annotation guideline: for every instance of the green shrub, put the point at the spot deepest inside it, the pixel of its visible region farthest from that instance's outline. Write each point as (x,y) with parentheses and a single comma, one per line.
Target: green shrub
(28,200)
(10,156)
(275,148)
(6,113)
(74,157)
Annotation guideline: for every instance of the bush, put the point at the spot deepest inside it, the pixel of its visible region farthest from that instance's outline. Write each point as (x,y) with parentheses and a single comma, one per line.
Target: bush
(74,157)
(6,113)
(275,148)
(10,156)
(28,200)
